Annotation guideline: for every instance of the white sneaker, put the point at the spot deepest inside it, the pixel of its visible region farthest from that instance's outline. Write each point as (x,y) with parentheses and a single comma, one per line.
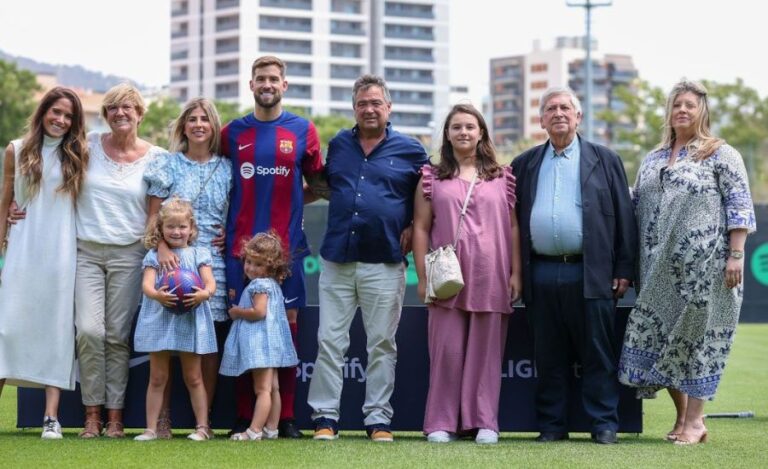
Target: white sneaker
(268,434)
(486,437)
(51,429)
(441,436)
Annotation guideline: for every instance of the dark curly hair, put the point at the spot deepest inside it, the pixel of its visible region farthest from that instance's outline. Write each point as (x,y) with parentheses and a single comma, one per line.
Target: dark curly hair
(267,249)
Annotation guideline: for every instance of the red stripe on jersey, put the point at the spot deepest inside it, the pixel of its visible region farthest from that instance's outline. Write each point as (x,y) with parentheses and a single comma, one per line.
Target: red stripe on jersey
(246,171)
(285,157)
(312,163)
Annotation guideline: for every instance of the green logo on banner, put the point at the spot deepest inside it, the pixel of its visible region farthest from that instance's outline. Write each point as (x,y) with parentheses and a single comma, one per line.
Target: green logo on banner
(312,267)
(759,264)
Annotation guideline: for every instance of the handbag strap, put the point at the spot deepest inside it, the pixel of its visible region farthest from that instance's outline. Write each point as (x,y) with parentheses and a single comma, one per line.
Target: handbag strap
(464,210)
(210,175)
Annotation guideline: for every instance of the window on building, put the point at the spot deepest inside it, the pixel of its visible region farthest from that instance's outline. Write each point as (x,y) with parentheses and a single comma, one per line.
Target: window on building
(539,68)
(409,10)
(179,30)
(535,102)
(227,23)
(350,28)
(299,91)
(227,44)
(539,85)
(415,54)
(293,4)
(298,69)
(346,6)
(408,75)
(285,23)
(222,4)
(341,93)
(346,71)
(290,46)
(346,49)
(405,31)
(226,90)
(411,119)
(179,8)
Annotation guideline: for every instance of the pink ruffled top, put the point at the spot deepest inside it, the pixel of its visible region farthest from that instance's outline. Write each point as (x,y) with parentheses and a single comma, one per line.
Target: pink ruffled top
(485,242)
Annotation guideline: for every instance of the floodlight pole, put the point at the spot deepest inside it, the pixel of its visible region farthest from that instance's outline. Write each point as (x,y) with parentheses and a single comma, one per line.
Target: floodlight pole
(588,5)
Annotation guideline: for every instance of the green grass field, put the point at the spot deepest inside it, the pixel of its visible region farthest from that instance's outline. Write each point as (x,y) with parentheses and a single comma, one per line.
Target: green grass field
(733,442)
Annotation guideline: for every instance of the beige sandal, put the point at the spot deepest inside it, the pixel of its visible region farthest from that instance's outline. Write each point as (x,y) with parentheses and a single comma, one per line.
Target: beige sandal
(201,433)
(114,429)
(92,429)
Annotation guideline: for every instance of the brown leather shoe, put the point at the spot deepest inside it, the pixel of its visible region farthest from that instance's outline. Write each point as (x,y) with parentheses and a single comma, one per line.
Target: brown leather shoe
(114,430)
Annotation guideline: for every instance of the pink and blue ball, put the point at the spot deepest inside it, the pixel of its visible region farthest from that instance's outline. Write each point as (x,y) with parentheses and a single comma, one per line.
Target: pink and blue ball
(180,282)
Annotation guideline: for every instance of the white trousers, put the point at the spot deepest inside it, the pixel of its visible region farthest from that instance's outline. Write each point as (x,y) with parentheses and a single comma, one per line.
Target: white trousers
(378,289)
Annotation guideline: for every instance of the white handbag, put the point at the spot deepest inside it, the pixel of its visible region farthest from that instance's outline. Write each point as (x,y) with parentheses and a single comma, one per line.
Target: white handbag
(444,278)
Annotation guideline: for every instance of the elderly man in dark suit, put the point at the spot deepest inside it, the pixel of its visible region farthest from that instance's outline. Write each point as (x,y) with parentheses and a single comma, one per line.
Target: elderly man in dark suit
(579,242)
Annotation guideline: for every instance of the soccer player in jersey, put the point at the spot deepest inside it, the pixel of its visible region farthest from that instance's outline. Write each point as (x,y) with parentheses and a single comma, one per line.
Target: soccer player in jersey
(271,149)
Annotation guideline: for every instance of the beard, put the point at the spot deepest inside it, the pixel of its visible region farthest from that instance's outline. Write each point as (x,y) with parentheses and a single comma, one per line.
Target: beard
(276,98)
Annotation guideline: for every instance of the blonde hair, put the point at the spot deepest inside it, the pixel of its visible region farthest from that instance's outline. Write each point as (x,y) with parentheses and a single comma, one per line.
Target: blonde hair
(73,146)
(171,208)
(180,142)
(267,249)
(703,144)
(123,93)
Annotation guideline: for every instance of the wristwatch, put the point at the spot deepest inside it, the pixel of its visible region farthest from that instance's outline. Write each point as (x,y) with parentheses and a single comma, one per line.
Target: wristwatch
(736,254)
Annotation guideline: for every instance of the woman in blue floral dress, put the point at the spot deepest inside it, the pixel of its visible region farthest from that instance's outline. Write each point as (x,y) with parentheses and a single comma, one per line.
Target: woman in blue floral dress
(694,211)
(195,172)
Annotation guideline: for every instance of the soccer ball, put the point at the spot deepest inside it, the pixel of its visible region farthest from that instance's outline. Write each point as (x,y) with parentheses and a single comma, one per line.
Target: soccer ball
(180,282)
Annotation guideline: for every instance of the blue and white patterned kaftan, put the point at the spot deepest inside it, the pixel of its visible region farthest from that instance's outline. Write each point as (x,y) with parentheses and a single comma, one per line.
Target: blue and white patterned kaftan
(177,175)
(680,332)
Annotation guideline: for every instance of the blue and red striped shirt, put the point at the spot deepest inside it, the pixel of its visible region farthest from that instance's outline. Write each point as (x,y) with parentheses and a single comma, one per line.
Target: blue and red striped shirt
(268,161)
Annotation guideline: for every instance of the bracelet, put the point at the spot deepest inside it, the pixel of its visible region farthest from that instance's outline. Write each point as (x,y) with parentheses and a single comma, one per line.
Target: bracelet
(737,254)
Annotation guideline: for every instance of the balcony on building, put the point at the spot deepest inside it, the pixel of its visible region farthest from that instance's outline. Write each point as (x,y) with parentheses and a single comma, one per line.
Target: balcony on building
(227,45)
(349,28)
(409,54)
(298,69)
(299,92)
(179,30)
(350,72)
(425,98)
(226,90)
(292,4)
(408,75)
(227,23)
(227,67)
(345,49)
(179,8)
(286,46)
(409,10)
(341,93)
(346,6)
(179,54)
(223,4)
(179,74)
(401,31)
(410,119)
(283,23)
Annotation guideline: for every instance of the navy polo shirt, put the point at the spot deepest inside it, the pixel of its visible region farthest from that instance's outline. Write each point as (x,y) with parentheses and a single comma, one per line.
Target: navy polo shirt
(371,196)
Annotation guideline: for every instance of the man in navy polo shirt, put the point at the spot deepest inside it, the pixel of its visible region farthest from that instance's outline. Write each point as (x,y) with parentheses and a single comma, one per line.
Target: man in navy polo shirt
(372,172)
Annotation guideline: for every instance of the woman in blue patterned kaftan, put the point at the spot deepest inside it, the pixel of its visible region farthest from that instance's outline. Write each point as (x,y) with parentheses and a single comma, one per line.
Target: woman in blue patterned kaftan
(195,172)
(694,211)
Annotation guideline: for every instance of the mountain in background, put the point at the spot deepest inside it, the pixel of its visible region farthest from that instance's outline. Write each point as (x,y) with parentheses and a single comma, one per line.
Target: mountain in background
(69,75)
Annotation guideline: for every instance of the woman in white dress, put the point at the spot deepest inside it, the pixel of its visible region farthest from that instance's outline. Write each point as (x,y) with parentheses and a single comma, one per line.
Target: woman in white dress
(44,172)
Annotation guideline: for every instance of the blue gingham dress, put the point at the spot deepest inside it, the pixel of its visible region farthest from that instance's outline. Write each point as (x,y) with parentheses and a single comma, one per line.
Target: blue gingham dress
(259,344)
(206,186)
(158,329)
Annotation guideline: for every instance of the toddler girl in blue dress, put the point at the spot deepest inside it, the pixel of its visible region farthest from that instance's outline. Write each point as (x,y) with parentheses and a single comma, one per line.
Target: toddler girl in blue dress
(260,338)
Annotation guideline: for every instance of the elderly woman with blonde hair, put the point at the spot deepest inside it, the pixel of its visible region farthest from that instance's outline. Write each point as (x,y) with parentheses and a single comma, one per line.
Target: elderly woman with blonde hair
(111,215)
(694,211)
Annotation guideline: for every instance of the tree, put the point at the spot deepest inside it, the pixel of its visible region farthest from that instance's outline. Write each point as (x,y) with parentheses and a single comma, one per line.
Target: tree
(156,126)
(17,100)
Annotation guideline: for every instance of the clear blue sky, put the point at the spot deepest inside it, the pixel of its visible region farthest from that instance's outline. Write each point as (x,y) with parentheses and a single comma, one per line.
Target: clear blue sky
(668,39)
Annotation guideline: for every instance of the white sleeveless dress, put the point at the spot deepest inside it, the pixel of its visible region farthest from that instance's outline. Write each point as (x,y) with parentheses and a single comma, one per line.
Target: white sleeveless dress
(37,284)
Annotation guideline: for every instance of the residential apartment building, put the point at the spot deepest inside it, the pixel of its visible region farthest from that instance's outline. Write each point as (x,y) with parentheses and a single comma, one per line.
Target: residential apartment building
(326,45)
(517,84)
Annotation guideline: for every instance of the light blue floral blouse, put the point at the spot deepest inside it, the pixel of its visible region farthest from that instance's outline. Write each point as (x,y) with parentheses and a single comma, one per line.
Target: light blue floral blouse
(206,186)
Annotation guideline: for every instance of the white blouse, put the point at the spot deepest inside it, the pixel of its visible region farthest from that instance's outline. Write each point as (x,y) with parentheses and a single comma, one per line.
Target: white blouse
(112,208)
